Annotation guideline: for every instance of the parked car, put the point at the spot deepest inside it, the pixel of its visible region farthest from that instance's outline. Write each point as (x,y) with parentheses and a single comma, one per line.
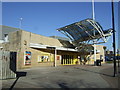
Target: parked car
(116,57)
(111,58)
(108,58)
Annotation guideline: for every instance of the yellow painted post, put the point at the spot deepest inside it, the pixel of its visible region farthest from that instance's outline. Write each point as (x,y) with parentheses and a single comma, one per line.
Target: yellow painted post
(63,61)
(70,61)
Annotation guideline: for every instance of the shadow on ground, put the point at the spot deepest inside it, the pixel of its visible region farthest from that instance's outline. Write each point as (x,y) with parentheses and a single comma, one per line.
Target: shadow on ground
(63,85)
(95,72)
(18,75)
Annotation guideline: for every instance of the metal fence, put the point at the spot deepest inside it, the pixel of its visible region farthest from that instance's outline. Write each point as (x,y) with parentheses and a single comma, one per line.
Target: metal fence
(5,65)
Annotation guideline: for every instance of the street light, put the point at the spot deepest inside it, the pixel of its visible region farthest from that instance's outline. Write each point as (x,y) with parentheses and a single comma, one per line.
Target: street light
(114,43)
(20,23)
(93,16)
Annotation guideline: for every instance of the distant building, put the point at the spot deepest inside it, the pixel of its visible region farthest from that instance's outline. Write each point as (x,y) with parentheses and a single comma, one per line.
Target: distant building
(36,50)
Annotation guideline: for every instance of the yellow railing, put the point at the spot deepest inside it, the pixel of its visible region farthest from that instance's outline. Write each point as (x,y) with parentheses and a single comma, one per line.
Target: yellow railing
(69,62)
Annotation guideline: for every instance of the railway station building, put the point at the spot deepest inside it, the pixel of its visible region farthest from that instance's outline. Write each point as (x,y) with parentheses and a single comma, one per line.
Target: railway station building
(33,50)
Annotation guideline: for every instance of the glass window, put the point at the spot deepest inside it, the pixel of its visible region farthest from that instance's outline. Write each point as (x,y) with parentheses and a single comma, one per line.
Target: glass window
(43,58)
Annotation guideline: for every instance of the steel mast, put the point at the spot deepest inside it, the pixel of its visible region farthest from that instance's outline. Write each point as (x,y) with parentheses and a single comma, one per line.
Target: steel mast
(93,16)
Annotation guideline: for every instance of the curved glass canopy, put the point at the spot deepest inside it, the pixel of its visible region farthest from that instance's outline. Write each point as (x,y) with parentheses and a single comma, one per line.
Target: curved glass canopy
(85,31)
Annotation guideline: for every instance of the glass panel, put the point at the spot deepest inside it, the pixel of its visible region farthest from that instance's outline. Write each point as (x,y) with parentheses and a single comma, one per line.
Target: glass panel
(78,30)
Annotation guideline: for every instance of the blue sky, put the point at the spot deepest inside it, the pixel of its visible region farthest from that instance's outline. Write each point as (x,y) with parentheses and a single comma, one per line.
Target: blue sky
(45,17)
(119,27)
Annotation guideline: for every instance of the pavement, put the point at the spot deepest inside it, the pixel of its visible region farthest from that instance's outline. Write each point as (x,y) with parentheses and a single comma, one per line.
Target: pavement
(80,76)
(107,75)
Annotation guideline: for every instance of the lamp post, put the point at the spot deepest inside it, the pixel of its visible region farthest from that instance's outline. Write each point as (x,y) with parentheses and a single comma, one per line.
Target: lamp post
(114,43)
(20,23)
(93,16)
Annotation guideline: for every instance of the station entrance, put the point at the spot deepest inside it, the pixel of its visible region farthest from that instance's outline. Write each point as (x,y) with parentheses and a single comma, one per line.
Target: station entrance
(68,60)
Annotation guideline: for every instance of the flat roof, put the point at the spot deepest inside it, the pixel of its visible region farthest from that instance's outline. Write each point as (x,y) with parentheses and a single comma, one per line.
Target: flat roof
(36,45)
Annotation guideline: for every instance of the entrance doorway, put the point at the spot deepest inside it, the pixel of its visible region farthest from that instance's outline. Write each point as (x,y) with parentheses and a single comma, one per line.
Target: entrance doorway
(67,60)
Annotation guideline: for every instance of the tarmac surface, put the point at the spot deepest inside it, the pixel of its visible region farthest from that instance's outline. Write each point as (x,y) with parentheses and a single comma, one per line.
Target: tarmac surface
(80,76)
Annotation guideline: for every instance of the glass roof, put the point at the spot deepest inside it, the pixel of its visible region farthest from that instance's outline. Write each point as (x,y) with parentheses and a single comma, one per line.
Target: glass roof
(84,30)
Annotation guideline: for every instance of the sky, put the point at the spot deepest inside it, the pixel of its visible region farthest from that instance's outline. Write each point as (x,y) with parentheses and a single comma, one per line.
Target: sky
(119,27)
(45,17)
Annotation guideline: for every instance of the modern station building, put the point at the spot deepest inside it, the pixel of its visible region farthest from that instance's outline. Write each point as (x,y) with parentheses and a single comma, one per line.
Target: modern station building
(36,50)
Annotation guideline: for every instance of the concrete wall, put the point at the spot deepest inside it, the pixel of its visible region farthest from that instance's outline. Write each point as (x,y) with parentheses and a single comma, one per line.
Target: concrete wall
(0,32)
(35,38)
(14,45)
(20,42)
(26,39)
(99,54)
(6,30)
(22,39)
